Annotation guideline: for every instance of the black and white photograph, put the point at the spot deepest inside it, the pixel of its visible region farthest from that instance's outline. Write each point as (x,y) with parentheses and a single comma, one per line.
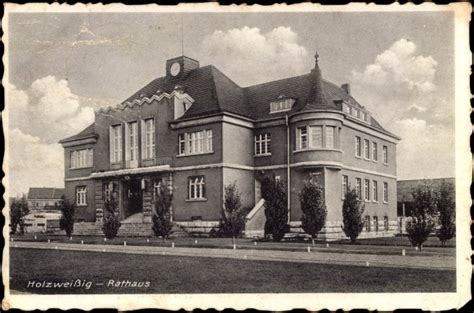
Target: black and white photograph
(202,156)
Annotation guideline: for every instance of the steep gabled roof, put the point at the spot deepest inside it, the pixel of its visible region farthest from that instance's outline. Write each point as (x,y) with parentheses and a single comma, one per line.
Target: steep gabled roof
(45,193)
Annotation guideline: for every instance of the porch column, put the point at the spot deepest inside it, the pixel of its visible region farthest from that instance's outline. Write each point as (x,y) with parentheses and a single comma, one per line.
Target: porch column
(147,201)
(99,203)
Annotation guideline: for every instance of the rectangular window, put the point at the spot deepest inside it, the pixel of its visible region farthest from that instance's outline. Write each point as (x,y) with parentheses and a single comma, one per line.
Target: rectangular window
(132,141)
(375,156)
(81,158)
(344,186)
(366,190)
(359,188)
(302,134)
(358,148)
(195,143)
(149,133)
(262,144)
(330,137)
(376,223)
(81,195)
(375,192)
(385,223)
(196,188)
(316,136)
(366,149)
(385,154)
(116,144)
(367,223)
(385,192)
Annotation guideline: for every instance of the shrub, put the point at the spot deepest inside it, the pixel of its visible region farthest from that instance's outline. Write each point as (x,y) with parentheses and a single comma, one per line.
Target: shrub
(232,222)
(421,222)
(111,220)
(352,211)
(276,210)
(447,210)
(314,210)
(18,211)
(161,218)
(66,222)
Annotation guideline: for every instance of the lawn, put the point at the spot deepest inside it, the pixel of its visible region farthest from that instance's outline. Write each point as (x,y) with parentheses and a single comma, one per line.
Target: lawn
(172,274)
(380,246)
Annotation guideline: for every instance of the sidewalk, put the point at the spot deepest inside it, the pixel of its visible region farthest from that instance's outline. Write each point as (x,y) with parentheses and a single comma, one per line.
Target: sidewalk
(422,262)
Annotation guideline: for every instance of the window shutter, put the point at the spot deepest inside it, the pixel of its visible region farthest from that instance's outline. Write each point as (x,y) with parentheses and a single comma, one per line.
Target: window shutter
(111,144)
(127,142)
(143,138)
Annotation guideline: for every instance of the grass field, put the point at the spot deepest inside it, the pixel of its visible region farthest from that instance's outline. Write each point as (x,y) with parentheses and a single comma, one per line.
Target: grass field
(172,274)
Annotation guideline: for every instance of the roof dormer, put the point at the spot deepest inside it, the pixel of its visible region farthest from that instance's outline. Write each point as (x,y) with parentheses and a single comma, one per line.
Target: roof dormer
(281,104)
(178,68)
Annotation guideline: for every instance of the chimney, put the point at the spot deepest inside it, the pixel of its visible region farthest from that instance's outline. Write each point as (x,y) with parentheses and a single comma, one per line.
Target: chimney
(347,88)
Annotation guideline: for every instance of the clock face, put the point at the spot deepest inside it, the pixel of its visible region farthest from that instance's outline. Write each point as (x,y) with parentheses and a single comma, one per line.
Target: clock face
(175,69)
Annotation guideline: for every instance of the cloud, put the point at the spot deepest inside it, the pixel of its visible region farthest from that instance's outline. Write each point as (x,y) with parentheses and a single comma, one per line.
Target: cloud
(48,109)
(425,151)
(32,162)
(249,55)
(400,87)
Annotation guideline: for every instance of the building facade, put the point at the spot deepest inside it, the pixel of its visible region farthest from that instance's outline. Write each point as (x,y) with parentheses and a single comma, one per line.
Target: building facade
(196,131)
(44,198)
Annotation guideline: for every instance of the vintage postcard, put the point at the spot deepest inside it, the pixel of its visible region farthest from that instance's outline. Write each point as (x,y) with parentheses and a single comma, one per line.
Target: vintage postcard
(266,157)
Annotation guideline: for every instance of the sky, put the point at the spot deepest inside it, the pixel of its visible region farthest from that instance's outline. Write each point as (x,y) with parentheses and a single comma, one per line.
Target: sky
(63,66)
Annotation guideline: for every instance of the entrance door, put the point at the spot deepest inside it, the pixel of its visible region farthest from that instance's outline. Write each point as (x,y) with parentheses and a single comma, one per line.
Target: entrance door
(134,197)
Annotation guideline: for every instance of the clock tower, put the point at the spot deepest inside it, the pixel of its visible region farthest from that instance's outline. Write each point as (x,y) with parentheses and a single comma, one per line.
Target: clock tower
(178,68)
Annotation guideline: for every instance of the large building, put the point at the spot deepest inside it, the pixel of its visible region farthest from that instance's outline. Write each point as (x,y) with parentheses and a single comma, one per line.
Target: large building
(197,131)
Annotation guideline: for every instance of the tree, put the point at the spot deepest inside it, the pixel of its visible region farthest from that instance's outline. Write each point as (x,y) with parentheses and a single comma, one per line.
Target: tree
(276,210)
(161,218)
(232,221)
(421,222)
(66,222)
(314,210)
(352,211)
(18,211)
(446,209)
(111,220)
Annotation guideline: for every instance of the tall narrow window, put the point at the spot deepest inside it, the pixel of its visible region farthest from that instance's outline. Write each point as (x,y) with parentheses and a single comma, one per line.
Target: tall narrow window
(344,186)
(330,137)
(385,192)
(116,144)
(375,156)
(366,149)
(302,134)
(375,192)
(358,148)
(385,223)
(81,195)
(367,223)
(149,149)
(132,141)
(385,154)
(376,223)
(366,190)
(262,144)
(196,188)
(208,140)
(316,136)
(359,188)
(182,144)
